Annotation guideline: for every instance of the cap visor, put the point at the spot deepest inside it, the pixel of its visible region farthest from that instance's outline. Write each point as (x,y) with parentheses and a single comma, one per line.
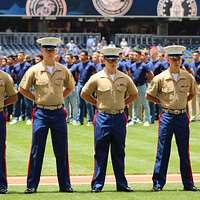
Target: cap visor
(111,57)
(49,47)
(175,55)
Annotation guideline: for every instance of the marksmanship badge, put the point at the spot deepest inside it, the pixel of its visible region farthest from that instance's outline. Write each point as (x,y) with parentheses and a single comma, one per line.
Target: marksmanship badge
(177,8)
(112,7)
(46,7)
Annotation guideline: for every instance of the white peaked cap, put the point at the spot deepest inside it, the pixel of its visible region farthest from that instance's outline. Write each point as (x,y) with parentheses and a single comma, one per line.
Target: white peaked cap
(175,50)
(49,41)
(111,52)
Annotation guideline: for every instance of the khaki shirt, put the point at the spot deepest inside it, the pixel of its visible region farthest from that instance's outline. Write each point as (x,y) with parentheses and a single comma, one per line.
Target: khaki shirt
(172,94)
(6,87)
(110,94)
(48,88)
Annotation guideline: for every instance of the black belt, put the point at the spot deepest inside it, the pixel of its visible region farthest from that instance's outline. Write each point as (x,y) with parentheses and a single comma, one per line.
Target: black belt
(174,111)
(112,112)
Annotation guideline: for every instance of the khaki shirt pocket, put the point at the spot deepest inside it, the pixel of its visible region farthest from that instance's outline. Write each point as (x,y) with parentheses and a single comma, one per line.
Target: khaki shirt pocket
(103,91)
(183,93)
(104,96)
(121,90)
(167,94)
(42,86)
(58,85)
(184,88)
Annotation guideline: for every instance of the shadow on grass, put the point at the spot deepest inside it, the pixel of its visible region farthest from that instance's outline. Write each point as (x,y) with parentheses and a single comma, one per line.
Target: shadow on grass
(89,192)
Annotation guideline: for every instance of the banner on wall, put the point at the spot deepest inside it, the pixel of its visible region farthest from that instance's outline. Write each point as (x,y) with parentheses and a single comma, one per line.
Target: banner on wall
(171,8)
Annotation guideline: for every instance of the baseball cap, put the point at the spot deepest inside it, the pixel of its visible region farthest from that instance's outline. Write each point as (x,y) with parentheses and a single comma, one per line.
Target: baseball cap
(137,50)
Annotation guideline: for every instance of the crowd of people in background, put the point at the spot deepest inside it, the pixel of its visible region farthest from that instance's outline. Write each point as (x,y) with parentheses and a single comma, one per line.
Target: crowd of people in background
(140,64)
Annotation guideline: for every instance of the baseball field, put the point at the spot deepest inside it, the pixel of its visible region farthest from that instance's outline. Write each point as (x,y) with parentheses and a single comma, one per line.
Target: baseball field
(140,156)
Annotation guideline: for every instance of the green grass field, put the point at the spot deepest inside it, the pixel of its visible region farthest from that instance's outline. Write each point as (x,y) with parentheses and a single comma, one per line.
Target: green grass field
(140,155)
(141,146)
(142,192)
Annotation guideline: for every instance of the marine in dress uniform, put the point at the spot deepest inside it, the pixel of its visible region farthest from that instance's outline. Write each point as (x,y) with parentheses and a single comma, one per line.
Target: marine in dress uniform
(6,89)
(48,78)
(110,86)
(172,89)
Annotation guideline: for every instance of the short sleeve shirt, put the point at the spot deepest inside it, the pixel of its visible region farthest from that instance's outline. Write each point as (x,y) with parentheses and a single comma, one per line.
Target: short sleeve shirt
(122,66)
(172,94)
(6,87)
(110,94)
(48,87)
(156,67)
(138,73)
(85,70)
(19,71)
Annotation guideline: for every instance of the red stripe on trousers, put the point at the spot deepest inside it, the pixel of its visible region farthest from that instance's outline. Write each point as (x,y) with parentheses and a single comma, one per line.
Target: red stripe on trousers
(94,123)
(190,168)
(68,163)
(33,114)
(161,114)
(4,156)
(5,167)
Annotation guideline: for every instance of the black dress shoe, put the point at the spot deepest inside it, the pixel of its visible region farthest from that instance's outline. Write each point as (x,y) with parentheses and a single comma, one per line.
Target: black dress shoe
(30,190)
(124,189)
(68,190)
(156,188)
(191,188)
(96,190)
(3,191)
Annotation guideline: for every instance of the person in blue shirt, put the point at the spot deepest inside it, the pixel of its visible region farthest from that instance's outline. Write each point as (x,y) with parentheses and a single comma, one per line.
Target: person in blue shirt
(9,70)
(95,60)
(156,66)
(10,64)
(163,60)
(195,65)
(85,68)
(131,59)
(195,68)
(186,65)
(122,64)
(132,56)
(3,64)
(140,74)
(60,59)
(23,106)
(70,102)
(145,56)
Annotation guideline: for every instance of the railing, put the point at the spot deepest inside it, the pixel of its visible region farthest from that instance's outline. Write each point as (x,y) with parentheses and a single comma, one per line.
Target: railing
(11,43)
(148,39)
(30,38)
(81,38)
